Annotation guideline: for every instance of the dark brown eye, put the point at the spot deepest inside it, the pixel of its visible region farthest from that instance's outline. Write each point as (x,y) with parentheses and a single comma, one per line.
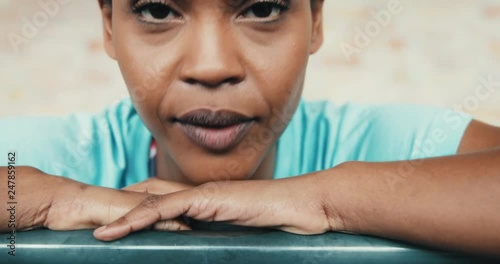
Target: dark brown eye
(156,13)
(263,10)
(159,11)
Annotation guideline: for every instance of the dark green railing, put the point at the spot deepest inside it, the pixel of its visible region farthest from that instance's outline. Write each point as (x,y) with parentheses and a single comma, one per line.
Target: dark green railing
(219,246)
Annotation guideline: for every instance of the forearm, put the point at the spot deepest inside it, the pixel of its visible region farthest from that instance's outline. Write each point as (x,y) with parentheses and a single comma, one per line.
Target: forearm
(58,203)
(449,202)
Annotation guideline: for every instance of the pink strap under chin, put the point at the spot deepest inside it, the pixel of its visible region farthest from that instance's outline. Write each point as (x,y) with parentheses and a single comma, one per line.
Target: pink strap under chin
(153,150)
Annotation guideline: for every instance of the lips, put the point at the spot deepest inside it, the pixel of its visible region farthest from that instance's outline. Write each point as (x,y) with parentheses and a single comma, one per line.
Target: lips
(216,131)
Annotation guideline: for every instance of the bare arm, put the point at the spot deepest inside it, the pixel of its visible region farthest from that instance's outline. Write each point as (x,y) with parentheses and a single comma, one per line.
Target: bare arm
(448,202)
(58,203)
(25,211)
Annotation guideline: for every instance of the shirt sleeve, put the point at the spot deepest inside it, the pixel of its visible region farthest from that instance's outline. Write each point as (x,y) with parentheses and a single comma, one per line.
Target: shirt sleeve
(322,135)
(405,132)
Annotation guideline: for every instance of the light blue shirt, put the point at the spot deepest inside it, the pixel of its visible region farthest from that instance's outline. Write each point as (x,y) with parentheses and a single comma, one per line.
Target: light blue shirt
(111,148)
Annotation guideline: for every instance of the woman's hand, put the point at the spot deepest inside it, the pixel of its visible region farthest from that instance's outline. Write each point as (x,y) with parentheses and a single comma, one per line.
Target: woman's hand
(80,206)
(58,203)
(157,186)
(292,205)
(91,206)
(49,201)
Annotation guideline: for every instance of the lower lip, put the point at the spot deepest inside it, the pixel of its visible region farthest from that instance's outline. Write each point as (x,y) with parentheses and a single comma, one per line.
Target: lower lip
(217,140)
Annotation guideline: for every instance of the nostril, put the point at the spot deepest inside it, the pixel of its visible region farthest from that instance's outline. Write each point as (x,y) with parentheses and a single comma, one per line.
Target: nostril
(191,81)
(213,84)
(233,80)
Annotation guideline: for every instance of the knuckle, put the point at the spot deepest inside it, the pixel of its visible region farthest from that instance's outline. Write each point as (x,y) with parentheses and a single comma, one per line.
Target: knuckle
(208,190)
(167,225)
(122,221)
(151,202)
(199,206)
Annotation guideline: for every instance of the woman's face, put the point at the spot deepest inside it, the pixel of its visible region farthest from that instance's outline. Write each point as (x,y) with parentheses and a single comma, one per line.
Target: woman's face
(215,81)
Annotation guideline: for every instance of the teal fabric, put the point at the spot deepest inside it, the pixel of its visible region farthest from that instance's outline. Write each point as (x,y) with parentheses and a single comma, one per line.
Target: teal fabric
(323,135)
(111,149)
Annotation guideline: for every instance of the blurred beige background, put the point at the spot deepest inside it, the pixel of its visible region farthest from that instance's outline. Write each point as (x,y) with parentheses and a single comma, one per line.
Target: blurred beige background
(438,52)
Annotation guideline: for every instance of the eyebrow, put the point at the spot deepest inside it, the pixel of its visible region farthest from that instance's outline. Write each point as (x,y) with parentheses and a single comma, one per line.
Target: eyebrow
(236,3)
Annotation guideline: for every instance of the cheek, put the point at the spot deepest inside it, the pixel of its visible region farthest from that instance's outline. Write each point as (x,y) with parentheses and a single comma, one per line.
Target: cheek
(281,72)
(144,62)
(145,77)
(141,71)
(142,86)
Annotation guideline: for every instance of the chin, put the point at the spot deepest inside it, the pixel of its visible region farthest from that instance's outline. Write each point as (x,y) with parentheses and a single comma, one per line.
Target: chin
(217,171)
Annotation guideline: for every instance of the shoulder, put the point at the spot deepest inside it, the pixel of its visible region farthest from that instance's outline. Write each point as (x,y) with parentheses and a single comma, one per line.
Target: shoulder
(479,136)
(416,131)
(402,131)
(91,148)
(331,133)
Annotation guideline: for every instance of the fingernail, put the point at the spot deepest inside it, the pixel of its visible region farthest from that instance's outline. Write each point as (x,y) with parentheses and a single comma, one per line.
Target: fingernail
(100,229)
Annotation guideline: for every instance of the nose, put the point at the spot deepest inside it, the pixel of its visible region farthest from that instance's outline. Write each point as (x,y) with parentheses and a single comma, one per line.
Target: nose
(211,58)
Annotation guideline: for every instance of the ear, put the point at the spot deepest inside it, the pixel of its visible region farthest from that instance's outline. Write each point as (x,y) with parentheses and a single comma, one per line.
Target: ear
(107,19)
(317,30)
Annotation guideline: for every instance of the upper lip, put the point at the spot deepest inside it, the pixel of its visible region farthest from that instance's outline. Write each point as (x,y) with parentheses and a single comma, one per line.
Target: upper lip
(213,119)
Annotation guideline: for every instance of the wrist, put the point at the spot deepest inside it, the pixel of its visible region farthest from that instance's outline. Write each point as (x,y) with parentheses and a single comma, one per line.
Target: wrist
(38,200)
(32,202)
(65,209)
(339,196)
